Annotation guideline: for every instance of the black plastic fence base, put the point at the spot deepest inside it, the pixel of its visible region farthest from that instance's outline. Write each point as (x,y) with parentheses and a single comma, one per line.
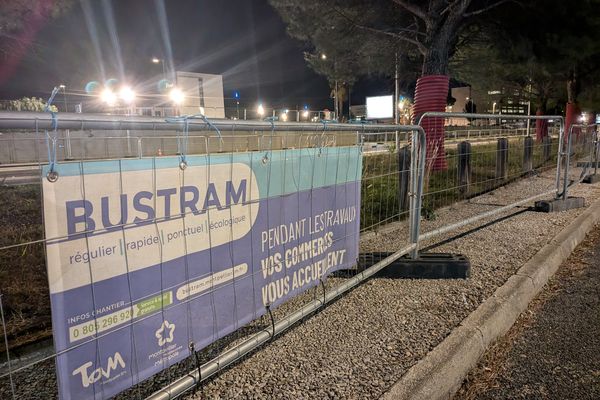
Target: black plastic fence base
(558,205)
(427,266)
(588,164)
(591,179)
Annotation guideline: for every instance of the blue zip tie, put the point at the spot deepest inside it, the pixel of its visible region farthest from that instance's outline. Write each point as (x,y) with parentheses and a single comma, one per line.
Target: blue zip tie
(52,174)
(182,143)
(272,121)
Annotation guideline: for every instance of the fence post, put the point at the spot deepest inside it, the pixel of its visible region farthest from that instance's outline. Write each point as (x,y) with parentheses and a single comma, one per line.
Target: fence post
(502,159)
(464,167)
(403,177)
(547,146)
(4,331)
(528,154)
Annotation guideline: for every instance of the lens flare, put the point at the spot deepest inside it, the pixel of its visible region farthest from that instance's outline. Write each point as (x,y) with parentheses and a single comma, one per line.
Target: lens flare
(92,87)
(127,94)
(108,97)
(176,95)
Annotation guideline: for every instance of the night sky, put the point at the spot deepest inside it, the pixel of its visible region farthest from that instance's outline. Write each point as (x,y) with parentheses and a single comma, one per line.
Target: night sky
(244,40)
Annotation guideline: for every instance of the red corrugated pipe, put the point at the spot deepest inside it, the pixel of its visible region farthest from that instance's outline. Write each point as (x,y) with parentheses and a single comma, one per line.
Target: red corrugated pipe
(571,118)
(431,95)
(541,127)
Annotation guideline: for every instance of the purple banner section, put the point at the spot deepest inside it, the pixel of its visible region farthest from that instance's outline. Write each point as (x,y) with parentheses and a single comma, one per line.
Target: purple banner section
(116,332)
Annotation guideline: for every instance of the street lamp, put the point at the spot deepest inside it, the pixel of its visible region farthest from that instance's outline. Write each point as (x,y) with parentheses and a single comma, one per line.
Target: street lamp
(176,96)
(108,97)
(127,94)
(323,56)
(260,110)
(63,87)
(156,60)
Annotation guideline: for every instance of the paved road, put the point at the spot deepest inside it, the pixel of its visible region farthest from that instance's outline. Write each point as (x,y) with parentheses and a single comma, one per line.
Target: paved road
(19,174)
(553,351)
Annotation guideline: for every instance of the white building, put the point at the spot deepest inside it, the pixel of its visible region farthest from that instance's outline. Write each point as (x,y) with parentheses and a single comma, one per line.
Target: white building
(203,94)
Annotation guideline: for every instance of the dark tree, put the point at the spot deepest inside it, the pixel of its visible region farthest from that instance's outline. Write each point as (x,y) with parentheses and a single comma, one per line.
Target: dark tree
(556,64)
(426,30)
(20,22)
(18,17)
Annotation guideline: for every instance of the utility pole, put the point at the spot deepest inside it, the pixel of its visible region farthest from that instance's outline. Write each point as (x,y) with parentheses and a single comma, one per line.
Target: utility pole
(349,101)
(396,93)
(335,99)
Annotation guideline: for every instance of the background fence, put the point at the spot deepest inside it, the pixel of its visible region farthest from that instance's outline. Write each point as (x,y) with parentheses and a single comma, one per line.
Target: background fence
(394,174)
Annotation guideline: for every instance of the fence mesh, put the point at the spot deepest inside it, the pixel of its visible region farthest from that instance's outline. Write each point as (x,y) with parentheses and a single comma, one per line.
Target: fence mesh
(505,163)
(491,162)
(27,325)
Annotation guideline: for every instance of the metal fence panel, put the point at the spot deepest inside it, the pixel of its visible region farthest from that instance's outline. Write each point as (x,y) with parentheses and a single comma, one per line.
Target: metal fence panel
(387,196)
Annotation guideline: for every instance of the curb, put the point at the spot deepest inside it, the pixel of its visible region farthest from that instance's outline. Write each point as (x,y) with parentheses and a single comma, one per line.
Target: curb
(441,372)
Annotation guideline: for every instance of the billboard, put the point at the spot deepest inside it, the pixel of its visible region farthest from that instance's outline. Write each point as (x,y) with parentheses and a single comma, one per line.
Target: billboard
(380,107)
(145,258)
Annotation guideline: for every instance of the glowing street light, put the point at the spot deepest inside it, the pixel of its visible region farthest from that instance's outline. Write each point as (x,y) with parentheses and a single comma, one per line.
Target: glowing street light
(156,60)
(127,94)
(108,97)
(284,117)
(323,56)
(260,110)
(176,95)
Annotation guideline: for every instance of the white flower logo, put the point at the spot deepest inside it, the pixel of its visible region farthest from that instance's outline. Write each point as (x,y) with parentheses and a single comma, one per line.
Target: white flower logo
(167,328)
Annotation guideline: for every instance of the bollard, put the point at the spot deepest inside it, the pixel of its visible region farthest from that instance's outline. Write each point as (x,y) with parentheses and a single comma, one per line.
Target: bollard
(464,167)
(502,159)
(403,177)
(547,147)
(528,154)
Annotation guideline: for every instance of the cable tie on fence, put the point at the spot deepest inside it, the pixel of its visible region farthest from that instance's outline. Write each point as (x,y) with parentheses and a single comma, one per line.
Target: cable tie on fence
(198,365)
(182,142)
(324,291)
(268,307)
(52,175)
(271,120)
(324,122)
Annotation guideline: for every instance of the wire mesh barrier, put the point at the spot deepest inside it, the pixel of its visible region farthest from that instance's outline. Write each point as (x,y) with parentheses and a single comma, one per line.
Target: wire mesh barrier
(580,161)
(143,246)
(154,253)
(472,168)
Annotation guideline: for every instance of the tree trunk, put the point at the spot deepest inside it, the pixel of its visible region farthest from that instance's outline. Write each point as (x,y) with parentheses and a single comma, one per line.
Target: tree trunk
(436,60)
(431,94)
(572,107)
(541,126)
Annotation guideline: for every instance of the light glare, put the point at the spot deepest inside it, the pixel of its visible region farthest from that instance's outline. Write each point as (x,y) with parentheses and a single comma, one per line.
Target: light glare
(176,96)
(127,94)
(108,97)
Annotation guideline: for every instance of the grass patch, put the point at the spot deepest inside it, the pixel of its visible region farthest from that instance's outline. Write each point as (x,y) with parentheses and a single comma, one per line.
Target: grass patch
(380,204)
(23,277)
(24,282)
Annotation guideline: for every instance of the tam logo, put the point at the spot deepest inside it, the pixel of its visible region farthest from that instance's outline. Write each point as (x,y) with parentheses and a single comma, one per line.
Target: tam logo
(112,363)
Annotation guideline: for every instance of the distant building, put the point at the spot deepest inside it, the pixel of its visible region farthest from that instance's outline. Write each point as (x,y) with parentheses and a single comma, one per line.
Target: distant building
(203,94)
(504,101)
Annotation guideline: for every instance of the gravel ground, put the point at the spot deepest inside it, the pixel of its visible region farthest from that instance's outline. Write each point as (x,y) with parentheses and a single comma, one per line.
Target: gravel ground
(552,351)
(360,345)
